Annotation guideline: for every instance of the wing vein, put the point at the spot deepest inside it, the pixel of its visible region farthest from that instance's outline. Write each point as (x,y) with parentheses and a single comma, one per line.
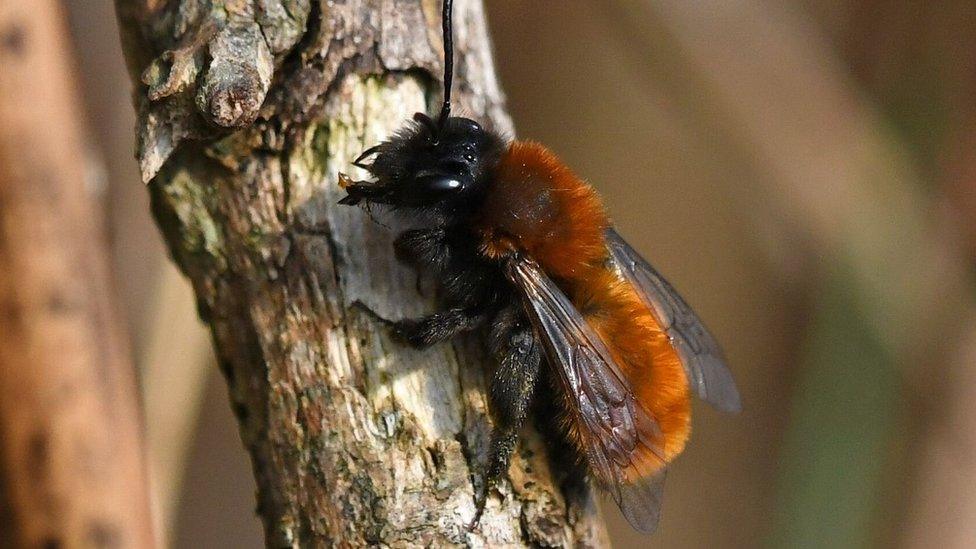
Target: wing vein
(619,438)
(701,357)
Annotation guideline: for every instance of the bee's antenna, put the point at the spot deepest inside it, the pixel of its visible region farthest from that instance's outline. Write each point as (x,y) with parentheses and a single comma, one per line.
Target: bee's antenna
(448,31)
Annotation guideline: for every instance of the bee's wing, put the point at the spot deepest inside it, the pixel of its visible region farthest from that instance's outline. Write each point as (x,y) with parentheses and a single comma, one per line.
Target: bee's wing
(700,354)
(621,439)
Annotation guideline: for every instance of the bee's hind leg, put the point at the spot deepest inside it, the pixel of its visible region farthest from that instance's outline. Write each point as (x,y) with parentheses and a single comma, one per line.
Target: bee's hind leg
(510,395)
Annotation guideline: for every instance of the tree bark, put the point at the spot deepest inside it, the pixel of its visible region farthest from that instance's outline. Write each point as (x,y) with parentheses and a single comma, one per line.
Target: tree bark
(248,109)
(72,470)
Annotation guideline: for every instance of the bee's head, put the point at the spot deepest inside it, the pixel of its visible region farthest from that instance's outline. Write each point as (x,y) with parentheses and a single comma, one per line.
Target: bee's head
(438,166)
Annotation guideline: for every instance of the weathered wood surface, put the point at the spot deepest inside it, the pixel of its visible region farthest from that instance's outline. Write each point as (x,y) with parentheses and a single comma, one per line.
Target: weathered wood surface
(72,470)
(248,109)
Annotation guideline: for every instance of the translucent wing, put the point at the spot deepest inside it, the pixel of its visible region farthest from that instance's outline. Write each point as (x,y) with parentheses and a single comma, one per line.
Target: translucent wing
(700,354)
(621,439)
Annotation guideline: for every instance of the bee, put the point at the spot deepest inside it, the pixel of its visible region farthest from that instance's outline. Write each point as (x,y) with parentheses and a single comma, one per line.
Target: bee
(523,249)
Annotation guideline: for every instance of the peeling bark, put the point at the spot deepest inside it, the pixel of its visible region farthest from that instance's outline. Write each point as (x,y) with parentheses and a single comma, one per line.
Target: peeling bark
(248,109)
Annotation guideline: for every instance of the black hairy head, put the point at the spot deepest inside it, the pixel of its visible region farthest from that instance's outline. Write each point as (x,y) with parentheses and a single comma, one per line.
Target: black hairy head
(441,166)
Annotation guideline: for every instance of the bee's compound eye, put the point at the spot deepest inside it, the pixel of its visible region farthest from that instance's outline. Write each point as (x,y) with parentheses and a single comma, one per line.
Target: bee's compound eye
(435,186)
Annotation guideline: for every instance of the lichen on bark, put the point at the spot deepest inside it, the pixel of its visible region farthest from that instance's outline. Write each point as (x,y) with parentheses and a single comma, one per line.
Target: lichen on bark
(355,439)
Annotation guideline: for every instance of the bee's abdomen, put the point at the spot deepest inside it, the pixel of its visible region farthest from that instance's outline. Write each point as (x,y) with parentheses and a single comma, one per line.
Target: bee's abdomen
(642,351)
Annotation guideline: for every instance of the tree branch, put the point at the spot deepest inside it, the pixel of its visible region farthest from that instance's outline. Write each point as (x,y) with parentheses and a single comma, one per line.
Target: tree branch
(248,110)
(71,451)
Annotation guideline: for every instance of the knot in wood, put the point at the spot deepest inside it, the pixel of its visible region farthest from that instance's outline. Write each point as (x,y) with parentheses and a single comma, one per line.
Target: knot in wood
(238,77)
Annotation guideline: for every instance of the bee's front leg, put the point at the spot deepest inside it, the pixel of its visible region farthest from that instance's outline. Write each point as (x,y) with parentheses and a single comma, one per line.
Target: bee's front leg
(425,249)
(423,332)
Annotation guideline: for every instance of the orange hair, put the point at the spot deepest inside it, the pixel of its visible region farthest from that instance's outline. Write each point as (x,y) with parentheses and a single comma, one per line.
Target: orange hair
(540,207)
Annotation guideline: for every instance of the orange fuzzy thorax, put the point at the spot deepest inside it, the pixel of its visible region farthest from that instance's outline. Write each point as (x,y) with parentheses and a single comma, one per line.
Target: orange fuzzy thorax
(538,206)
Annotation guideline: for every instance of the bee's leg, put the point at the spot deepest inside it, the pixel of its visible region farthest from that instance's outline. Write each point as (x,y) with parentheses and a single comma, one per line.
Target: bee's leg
(424,248)
(423,332)
(465,286)
(510,394)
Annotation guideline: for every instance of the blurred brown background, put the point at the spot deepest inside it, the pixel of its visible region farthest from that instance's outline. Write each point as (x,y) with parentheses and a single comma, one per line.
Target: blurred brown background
(802,170)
